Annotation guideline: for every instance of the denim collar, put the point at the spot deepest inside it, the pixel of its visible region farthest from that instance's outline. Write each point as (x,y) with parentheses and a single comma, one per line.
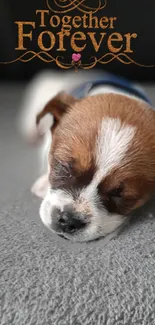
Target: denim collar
(119,83)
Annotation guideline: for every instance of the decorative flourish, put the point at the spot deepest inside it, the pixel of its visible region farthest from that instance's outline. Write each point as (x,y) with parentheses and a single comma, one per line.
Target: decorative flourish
(64,6)
(30,55)
(76,62)
(121,57)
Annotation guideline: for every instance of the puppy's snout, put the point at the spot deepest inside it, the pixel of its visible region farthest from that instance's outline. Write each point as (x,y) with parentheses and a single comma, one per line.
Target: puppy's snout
(69,221)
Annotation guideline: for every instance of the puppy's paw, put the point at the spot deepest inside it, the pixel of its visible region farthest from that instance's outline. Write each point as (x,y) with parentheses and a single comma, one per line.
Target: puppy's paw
(40,187)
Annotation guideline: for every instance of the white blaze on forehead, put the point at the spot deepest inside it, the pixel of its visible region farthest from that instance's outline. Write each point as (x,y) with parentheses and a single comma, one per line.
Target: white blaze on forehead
(113,141)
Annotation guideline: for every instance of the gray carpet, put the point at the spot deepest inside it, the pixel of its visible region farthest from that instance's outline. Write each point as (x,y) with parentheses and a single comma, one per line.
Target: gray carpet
(45,280)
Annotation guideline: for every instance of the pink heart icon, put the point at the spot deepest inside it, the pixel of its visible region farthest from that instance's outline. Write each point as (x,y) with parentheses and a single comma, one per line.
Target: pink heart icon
(76,57)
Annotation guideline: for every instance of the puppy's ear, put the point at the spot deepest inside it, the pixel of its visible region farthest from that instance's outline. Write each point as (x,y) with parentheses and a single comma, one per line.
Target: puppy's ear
(53,111)
(48,118)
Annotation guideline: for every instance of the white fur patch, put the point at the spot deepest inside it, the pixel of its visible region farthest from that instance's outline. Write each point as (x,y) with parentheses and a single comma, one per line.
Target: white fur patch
(40,187)
(113,142)
(103,89)
(53,199)
(45,124)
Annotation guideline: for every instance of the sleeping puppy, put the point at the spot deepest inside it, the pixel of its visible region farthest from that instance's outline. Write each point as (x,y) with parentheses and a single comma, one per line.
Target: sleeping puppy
(99,134)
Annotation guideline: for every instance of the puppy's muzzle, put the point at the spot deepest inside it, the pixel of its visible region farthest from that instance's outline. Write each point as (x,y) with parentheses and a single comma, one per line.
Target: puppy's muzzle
(67,221)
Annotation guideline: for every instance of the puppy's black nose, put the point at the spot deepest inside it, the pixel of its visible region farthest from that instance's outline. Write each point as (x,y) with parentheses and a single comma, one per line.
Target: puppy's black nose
(69,221)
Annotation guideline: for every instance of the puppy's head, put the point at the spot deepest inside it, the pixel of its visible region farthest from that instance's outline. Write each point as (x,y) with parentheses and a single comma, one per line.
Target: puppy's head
(101,164)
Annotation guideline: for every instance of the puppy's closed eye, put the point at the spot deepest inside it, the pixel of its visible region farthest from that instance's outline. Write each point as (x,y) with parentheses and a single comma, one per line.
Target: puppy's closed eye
(115,192)
(61,174)
(61,168)
(111,198)
(64,169)
(67,175)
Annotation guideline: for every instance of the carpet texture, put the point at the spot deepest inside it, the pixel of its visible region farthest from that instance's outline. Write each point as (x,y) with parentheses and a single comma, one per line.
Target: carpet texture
(45,280)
